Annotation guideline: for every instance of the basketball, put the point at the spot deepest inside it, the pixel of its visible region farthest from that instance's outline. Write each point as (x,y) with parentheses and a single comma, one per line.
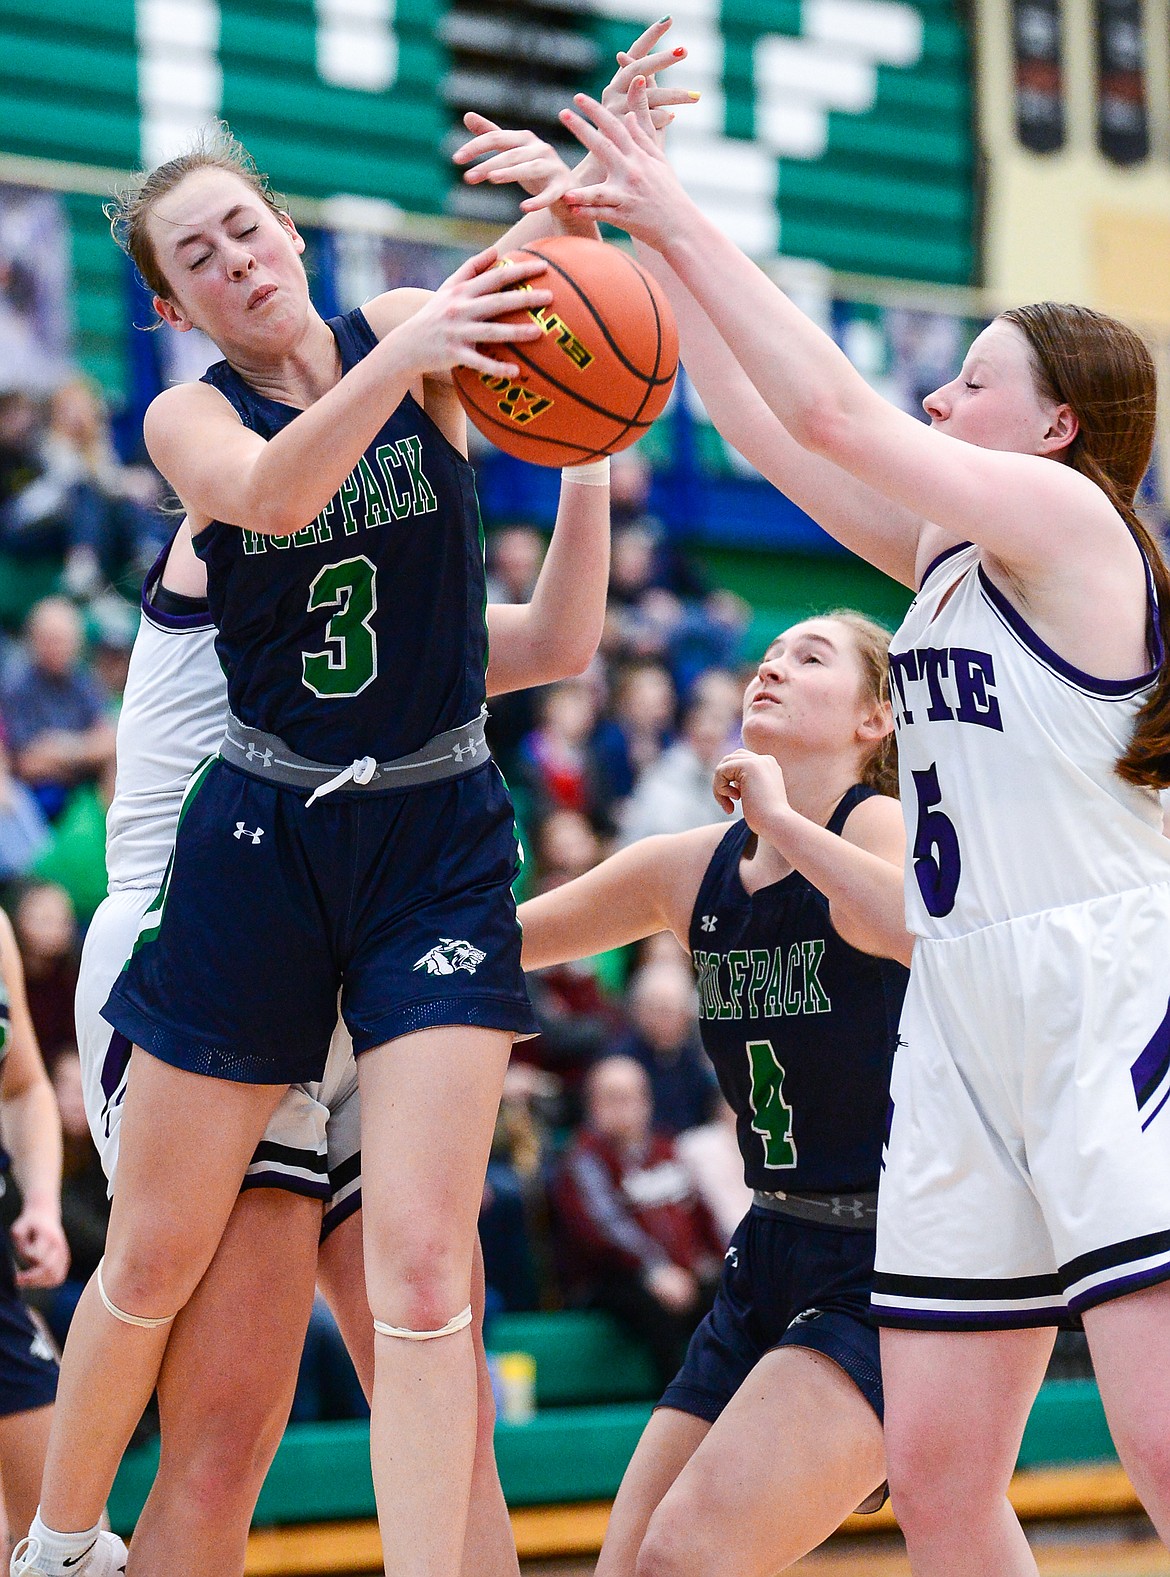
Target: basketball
(603,370)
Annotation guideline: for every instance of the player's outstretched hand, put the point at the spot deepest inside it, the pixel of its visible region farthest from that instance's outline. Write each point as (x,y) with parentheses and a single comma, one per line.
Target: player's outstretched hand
(456,327)
(522,157)
(41,1250)
(640,193)
(758,784)
(645,59)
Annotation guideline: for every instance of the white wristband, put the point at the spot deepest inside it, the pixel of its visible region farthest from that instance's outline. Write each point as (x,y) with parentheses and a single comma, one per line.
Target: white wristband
(595,473)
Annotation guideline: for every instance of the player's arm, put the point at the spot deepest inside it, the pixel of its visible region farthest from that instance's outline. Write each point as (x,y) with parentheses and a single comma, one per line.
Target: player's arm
(223,471)
(32,1132)
(643,889)
(1035,517)
(858,516)
(557,632)
(860,872)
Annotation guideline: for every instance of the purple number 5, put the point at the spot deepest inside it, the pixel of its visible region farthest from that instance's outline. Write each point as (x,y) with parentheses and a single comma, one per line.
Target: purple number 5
(937,862)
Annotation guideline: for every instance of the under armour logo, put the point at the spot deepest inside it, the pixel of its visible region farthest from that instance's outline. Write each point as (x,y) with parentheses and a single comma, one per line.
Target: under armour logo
(459,751)
(708,922)
(732,1255)
(254,753)
(247,832)
(853,1208)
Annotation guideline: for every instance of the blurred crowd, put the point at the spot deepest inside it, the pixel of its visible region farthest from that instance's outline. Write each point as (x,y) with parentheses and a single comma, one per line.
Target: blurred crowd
(615,1179)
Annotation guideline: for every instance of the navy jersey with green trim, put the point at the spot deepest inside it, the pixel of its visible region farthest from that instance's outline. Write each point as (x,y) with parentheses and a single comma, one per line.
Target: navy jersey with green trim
(800,1026)
(363,633)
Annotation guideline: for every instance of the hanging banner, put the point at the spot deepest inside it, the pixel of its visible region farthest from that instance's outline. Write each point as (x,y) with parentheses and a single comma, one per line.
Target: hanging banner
(1039,72)
(1123,132)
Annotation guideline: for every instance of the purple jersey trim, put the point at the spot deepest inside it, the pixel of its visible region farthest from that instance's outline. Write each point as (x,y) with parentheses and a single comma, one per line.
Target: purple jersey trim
(1106,1291)
(1107,689)
(342,1212)
(169,621)
(959,1320)
(941,558)
(289,1184)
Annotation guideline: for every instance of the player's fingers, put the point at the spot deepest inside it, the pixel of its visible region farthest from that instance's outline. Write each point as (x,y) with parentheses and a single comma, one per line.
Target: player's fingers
(545,199)
(646,40)
(640,105)
(597,142)
(660,97)
(475,122)
(487,142)
(507,275)
(488,332)
(604,120)
(494,369)
(530,170)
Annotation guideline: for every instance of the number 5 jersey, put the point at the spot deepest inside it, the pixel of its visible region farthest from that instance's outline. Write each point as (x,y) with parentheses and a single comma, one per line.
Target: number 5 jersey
(1008,762)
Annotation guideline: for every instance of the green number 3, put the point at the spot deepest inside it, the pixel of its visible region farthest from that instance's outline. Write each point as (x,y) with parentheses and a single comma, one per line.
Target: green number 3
(772,1118)
(350,659)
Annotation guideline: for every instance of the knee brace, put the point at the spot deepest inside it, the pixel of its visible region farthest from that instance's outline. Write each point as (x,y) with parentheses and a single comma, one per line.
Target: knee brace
(457,1322)
(120,1314)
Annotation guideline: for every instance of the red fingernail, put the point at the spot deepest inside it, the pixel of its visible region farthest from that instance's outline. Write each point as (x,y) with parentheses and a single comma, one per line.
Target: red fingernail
(678,53)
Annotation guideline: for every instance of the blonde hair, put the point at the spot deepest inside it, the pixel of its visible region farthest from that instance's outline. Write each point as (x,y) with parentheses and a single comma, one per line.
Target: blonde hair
(871,641)
(214,148)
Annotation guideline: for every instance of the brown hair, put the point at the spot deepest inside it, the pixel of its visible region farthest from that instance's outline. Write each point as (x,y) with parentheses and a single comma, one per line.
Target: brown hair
(1104,372)
(213,149)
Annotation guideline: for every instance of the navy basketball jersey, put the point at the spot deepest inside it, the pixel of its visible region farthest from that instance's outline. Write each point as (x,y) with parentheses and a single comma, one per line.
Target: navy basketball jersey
(363,633)
(800,1026)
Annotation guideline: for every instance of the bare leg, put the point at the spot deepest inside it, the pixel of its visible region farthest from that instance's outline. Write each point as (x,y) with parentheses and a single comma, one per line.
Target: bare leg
(429,1103)
(24,1439)
(186,1141)
(956,1406)
(489,1549)
(792,1454)
(1130,1342)
(226,1388)
(668,1443)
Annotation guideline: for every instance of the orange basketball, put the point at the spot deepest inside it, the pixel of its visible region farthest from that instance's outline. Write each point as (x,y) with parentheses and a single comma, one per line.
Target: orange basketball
(601,373)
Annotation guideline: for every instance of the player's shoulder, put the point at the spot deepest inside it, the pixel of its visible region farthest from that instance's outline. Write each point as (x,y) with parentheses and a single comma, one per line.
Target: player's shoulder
(388,311)
(183,403)
(875,823)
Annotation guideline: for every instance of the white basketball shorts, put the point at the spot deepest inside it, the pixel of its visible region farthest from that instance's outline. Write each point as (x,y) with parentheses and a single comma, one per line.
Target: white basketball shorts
(312,1144)
(1027,1173)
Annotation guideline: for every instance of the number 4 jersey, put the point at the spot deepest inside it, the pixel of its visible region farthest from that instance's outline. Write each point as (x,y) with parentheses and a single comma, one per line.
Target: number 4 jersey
(1007,758)
(363,632)
(799,1025)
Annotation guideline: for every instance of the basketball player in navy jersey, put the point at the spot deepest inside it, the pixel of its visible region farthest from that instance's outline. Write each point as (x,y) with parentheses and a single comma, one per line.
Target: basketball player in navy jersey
(34,1252)
(352,834)
(771,1433)
(1030,1148)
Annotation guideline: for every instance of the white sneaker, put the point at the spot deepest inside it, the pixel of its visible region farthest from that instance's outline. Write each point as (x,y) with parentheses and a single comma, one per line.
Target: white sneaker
(106,1557)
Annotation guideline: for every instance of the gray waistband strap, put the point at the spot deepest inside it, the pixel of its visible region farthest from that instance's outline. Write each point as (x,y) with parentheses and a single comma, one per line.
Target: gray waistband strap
(450,755)
(852,1212)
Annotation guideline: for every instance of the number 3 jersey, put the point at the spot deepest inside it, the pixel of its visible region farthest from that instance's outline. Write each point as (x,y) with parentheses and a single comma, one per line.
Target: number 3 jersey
(362,633)
(1007,760)
(800,1026)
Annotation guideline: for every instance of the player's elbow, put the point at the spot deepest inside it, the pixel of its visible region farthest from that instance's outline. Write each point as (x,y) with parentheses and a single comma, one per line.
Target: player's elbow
(823,427)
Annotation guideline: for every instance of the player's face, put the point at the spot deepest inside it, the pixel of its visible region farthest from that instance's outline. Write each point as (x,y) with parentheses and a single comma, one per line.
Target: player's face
(806,696)
(233,265)
(993,402)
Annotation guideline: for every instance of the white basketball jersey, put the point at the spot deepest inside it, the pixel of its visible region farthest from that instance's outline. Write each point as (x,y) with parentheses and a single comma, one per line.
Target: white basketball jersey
(173,716)
(1007,762)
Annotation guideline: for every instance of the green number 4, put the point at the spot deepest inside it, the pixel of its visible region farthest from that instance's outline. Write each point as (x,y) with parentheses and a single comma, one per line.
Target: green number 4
(773,1116)
(350,659)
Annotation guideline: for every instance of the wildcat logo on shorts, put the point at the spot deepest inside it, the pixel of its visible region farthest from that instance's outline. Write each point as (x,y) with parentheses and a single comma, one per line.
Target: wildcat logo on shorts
(450,956)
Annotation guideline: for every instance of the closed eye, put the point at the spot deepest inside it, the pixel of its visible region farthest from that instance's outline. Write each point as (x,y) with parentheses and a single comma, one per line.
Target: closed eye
(970,385)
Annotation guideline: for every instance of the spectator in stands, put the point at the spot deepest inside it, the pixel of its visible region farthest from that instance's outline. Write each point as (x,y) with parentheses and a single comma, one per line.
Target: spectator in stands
(85,1205)
(515,554)
(556,764)
(81,504)
(635,733)
(575,1003)
(635,1236)
(55,710)
(674,793)
(24,832)
(46,933)
(664,1039)
(712,1154)
(20,427)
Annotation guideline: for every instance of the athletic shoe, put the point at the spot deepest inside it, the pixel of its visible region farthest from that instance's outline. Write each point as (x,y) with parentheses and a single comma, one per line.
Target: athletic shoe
(106,1557)
(873,1502)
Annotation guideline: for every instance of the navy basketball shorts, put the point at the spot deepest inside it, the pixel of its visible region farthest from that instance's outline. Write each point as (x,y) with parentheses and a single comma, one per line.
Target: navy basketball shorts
(28,1365)
(401,901)
(785,1283)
